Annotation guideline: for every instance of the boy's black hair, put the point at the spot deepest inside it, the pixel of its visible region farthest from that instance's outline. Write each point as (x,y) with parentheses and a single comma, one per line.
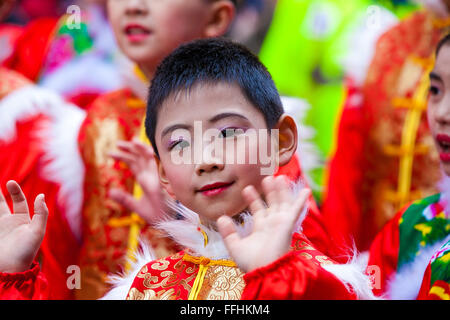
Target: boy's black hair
(212,60)
(442,42)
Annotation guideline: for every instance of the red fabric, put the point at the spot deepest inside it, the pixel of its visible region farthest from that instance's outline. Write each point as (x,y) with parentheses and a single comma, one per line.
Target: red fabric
(425,287)
(291,169)
(83,99)
(28,285)
(21,160)
(425,291)
(313,226)
(295,276)
(384,252)
(31,48)
(364,172)
(342,207)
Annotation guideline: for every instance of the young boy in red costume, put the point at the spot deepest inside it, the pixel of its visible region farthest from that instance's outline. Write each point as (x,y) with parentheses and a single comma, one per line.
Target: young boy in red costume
(222,89)
(146,31)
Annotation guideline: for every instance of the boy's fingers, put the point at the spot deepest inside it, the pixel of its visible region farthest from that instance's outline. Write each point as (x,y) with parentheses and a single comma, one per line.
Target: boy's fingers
(19,201)
(4,209)
(123,198)
(144,149)
(270,190)
(254,201)
(39,220)
(229,233)
(128,147)
(126,157)
(300,203)
(282,189)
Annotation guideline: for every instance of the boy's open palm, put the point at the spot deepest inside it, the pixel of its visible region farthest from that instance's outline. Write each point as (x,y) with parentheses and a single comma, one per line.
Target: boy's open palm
(20,235)
(273,224)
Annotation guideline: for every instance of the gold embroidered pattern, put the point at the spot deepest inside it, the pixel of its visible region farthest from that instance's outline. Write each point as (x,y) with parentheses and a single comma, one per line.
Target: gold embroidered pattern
(222,283)
(164,279)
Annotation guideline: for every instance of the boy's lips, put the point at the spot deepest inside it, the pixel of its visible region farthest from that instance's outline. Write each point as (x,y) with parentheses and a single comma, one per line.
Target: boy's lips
(136,32)
(214,188)
(443,141)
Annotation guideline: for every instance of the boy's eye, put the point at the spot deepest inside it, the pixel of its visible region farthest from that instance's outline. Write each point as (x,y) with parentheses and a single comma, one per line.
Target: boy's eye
(178,145)
(230,132)
(434,90)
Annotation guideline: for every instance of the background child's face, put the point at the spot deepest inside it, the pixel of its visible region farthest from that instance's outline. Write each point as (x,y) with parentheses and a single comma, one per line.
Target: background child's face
(148,30)
(438,111)
(212,186)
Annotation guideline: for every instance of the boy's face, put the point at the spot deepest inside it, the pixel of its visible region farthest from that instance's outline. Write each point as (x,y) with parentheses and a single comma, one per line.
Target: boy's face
(148,30)
(438,111)
(191,125)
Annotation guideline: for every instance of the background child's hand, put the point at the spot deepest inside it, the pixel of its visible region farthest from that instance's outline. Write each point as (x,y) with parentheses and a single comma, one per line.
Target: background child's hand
(20,236)
(140,158)
(273,225)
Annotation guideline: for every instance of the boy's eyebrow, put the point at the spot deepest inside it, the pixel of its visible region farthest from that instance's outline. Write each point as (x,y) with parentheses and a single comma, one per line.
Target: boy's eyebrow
(221,116)
(435,76)
(173,128)
(213,119)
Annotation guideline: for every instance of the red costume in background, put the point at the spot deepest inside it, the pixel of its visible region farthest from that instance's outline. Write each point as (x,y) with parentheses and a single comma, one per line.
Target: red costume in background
(29,121)
(383,140)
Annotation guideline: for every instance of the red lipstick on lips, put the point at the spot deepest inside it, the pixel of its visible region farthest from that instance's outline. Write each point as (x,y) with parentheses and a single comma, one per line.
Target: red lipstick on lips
(215,188)
(136,32)
(444,143)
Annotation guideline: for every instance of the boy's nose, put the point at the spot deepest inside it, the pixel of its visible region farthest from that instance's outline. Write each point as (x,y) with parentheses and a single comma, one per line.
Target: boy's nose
(209,164)
(136,7)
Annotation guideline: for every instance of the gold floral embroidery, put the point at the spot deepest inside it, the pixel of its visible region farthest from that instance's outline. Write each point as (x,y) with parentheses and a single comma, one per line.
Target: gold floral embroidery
(160,265)
(306,255)
(222,283)
(168,282)
(323,260)
(302,245)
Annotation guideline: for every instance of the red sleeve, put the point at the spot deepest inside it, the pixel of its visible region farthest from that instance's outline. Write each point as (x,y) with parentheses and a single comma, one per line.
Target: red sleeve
(383,256)
(28,285)
(425,287)
(293,277)
(313,226)
(342,206)
(315,231)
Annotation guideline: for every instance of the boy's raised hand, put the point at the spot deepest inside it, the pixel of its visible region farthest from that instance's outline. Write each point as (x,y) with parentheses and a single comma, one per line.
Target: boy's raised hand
(20,235)
(140,158)
(273,224)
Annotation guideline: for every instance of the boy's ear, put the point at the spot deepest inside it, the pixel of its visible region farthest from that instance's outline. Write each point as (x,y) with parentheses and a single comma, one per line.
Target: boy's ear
(221,17)
(163,179)
(288,139)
